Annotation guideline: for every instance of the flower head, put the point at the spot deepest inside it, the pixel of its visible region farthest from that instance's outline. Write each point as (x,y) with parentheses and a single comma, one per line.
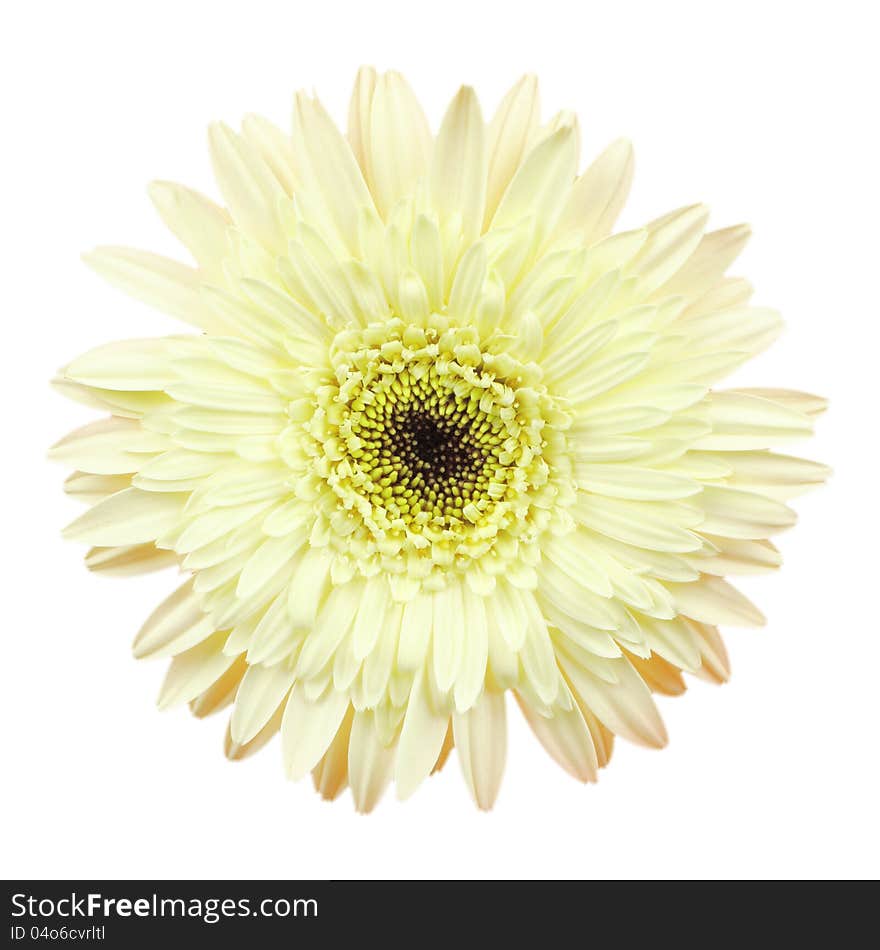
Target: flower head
(442,436)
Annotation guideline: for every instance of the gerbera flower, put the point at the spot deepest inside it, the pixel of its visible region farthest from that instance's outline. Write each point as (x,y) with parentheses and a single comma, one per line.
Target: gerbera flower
(441,436)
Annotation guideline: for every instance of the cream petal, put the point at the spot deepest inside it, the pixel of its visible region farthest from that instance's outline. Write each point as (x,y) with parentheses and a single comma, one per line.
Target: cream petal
(625,707)
(566,738)
(475,650)
(333,622)
(249,188)
(111,446)
(448,638)
(674,640)
(806,403)
(481,740)
(507,139)
(177,624)
(129,559)
(659,675)
(740,422)
(502,669)
(370,764)
(659,526)
(707,265)
(458,166)
(130,516)
(421,739)
(260,694)
(359,118)
(127,365)
(308,587)
(737,556)
(371,615)
(671,241)
(427,258)
(193,671)
(158,281)
(568,554)
(774,475)
(197,222)
(598,195)
(221,692)
(638,484)
(712,600)
(308,728)
(400,141)
(266,561)
(715,665)
(328,167)
(467,285)
(415,631)
(379,664)
(734,513)
(541,184)
(537,655)
(235,751)
(330,775)
(274,147)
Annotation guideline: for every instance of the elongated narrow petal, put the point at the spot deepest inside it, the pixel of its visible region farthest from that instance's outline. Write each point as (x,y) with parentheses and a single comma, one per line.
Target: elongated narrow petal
(481,741)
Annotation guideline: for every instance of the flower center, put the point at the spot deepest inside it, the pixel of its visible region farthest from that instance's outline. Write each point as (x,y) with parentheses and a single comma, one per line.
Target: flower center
(429,451)
(438,451)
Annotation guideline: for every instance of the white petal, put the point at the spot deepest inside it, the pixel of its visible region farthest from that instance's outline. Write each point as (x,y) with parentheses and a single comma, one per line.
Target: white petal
(707,265)
(274,147)
(598,196)
(475,650)
(712,600)
(266,561)
(400,141)
(261,691)
(249,188)
(373,608)
(639,484)
(733,513)
(329,167)
(330,775)
(566,738)
(448,634)
(507,139)
(308,728)
(111,446)
(657,526)
(359,121)
(370,764)
(671,241)
(458,167)
(625,707)
(130,516)
(740,421)
(130,559)
(194,671)
(158,281)
(177,624)
(541,183)
(421,739)
(199,224)
(415,631)
(128,365)
(481,741)
(333,622)
(307,588)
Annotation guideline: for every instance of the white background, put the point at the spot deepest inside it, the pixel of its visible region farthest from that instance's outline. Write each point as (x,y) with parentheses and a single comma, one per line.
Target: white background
(766,111)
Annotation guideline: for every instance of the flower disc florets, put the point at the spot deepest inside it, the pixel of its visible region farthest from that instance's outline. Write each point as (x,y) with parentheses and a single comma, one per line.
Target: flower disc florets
(440,453)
